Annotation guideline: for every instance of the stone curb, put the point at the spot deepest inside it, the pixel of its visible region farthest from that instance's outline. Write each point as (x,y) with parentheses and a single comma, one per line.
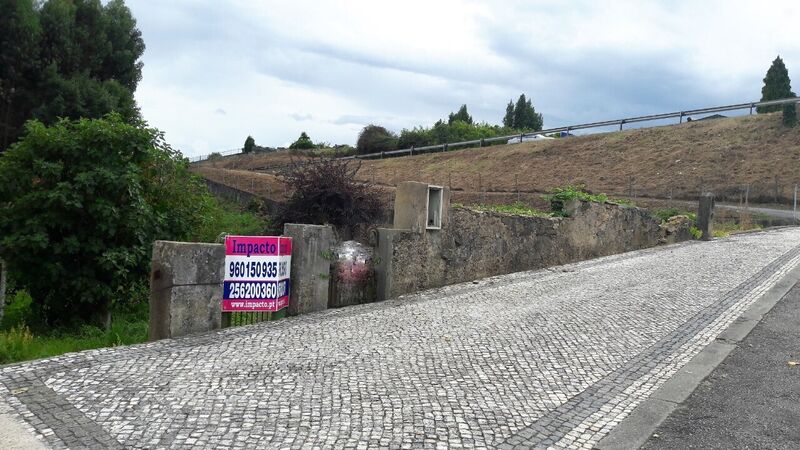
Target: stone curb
(637,428)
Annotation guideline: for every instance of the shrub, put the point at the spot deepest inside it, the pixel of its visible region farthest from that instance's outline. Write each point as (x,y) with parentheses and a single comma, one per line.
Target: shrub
(325,192)
(375,139)
(81,203)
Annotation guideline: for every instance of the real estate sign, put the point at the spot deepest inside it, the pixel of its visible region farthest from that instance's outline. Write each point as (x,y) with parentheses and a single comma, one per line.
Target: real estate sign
(256,273)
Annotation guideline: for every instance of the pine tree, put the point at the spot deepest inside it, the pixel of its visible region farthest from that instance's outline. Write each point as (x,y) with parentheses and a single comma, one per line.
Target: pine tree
(249,144)
(776,86)
(461,115)
(508,120)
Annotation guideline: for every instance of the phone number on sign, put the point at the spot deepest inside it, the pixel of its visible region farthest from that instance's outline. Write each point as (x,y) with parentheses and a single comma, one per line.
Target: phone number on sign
(256,269)
(256,290)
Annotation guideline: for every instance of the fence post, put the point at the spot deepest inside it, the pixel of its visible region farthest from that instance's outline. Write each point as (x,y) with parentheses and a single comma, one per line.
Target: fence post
(794,207)
(481,144)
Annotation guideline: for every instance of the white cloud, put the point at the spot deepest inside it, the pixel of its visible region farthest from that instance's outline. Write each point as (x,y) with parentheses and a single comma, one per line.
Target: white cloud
(328,68)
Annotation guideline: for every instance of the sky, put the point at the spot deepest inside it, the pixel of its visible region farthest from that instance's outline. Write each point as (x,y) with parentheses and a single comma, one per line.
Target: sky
(216,71)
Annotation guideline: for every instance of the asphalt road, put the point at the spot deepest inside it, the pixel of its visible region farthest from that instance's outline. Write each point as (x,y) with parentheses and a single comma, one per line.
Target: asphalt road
(752,399)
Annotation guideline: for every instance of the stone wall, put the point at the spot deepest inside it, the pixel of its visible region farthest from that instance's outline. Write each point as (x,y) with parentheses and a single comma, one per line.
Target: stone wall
(238,196)
(474,245)
(185,288)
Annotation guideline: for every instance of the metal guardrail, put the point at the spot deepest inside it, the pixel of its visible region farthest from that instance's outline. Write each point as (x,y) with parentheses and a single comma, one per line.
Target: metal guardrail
(481,142)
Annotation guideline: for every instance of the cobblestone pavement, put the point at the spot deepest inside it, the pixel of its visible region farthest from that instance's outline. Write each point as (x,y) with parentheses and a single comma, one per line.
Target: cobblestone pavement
(554,358)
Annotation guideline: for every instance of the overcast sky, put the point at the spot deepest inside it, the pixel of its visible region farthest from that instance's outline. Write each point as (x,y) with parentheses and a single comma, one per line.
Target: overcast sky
(218,70)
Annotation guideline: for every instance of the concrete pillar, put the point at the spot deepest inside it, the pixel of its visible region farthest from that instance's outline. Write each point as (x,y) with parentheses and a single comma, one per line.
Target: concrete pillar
(705,215)
(185,288)
(2,288)
(312,253)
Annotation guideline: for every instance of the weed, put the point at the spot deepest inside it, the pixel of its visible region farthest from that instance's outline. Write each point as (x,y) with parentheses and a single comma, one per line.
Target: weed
(517,209)
(666,214)
(561,196)
(696,233)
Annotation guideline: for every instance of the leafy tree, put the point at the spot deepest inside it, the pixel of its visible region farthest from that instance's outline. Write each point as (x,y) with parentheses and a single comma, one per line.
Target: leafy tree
(508,119)
(375,139)
(66,58)
(303,142)
(80,205)
(326,192)
(249,144)
(525,116)
(776,86)
(462,115)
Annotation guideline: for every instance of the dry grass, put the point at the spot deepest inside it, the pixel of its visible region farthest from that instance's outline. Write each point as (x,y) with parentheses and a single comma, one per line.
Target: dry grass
(670,161)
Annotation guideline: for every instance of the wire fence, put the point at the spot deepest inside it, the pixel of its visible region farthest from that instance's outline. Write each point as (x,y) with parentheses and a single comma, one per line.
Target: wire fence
(566,129)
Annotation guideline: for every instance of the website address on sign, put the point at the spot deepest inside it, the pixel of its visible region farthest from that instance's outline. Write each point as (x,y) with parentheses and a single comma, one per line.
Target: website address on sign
(255,305)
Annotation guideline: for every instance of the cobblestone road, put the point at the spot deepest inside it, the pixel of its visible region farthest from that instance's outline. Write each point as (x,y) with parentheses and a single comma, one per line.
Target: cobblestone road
(548,358)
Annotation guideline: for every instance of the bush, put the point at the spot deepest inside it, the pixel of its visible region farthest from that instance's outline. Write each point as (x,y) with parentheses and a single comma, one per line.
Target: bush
(375,139)
(457,131)
(81,203)
(326,192)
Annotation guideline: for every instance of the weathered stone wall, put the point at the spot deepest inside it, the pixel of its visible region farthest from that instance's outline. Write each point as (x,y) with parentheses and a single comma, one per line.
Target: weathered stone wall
(185,288)
(476,245)
(238,196)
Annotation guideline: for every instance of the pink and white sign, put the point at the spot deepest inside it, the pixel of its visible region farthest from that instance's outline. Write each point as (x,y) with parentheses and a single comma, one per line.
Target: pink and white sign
(256,273)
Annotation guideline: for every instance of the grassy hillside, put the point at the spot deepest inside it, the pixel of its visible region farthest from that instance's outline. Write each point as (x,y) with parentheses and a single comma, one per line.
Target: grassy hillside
(679,160)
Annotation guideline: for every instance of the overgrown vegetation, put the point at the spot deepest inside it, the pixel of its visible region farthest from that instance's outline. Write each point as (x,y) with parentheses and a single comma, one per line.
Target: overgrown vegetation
(560,196)
(81,203)
(665,214)
(326,192)
(517,209)
(19,342)
(456,131)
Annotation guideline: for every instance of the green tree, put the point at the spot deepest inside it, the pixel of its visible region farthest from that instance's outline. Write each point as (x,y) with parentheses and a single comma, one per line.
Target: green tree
(462,115)
(508,119)
(525,116)
(20,33)
(303,142)
(776,86)
(249,144)
(66,58)
(80,205)
(375,139)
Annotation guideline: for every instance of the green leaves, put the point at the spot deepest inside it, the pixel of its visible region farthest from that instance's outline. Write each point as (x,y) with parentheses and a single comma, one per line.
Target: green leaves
(89,198)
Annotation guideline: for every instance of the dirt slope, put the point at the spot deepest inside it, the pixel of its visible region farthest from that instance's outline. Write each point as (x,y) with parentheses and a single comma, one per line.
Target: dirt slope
(680,160)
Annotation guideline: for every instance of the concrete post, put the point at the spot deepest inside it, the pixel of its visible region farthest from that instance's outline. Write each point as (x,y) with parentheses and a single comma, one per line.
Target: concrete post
(312,253)
(185,288)
(705,214)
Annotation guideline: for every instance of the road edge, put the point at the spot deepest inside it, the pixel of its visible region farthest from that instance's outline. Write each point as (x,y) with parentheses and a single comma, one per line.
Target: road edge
(637,428)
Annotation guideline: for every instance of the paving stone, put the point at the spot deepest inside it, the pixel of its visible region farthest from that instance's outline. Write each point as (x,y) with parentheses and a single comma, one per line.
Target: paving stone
(554,357)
